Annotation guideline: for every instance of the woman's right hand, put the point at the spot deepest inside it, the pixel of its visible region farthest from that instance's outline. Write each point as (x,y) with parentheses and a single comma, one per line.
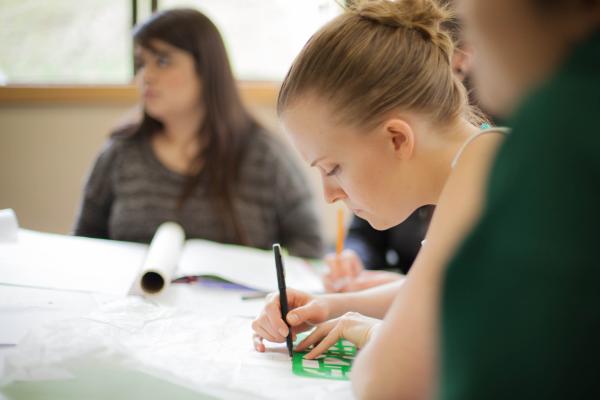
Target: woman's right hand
(343,269)
(347,274)
(305,311)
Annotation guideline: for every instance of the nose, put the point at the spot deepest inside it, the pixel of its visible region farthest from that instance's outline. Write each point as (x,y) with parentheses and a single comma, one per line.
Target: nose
(146,74)
(332,191)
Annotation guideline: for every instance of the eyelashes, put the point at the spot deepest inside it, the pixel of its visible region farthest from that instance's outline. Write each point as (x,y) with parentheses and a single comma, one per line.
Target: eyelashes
(163,61)
(160,61)
(334,171)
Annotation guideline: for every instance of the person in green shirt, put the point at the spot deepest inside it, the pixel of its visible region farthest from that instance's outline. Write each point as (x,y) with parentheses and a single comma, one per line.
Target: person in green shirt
(521,298)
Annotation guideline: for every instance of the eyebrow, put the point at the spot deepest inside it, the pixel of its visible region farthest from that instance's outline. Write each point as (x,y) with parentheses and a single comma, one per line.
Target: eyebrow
(153,50)
(312,164)
(160,53)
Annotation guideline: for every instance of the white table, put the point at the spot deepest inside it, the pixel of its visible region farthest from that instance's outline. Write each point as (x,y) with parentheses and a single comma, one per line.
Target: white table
(154,345)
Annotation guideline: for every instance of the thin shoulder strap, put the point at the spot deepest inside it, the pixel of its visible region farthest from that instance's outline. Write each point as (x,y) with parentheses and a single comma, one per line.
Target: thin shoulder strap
(498,129)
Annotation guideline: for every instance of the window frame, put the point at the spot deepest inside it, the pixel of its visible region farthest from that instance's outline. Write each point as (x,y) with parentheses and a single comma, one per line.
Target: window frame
(253,92)
(262,93)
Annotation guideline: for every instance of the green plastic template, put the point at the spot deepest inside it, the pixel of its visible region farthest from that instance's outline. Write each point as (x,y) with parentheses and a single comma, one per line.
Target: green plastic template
(335,363)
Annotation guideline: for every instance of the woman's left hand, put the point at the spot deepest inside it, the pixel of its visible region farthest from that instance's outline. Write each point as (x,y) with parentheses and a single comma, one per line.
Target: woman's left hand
(368,279)
(352,326)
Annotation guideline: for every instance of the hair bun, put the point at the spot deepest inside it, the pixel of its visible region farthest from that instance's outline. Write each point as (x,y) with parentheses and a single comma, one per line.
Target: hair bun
(424,16)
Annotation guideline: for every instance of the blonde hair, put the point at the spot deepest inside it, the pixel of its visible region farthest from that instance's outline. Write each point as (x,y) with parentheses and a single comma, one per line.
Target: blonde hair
(378,56)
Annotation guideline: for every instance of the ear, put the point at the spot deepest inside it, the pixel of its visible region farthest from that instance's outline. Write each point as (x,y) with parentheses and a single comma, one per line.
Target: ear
(462,62)
(401,137)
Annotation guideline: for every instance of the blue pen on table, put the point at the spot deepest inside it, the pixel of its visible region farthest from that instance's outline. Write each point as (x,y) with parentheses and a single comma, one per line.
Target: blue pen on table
(283,303)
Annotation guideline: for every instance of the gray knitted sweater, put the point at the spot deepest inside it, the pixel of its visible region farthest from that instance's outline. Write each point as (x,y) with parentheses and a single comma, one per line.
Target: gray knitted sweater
(129,193)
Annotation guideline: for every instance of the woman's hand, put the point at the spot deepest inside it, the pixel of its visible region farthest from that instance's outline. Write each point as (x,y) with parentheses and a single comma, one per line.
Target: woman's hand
(368,279)
(352,326)
(347,274)
(305,311)
(342,269)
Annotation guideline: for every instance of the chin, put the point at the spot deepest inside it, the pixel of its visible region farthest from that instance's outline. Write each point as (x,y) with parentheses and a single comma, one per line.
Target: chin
(382,224)
(377,223)
(153,111)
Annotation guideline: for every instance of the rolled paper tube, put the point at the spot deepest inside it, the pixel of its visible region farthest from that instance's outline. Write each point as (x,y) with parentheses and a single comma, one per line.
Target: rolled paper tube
(161,260)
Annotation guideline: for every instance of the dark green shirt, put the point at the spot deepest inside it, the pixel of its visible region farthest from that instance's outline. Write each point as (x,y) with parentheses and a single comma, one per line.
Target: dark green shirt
(521,299)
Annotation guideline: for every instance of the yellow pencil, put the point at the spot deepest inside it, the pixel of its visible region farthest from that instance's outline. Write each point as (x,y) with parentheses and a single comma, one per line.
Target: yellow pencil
(340,232)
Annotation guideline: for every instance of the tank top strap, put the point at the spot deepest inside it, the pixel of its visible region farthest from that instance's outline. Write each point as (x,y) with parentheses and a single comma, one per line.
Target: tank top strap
(497,129)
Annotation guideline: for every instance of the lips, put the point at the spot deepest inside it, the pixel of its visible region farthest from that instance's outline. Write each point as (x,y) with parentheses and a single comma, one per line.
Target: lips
(149,94)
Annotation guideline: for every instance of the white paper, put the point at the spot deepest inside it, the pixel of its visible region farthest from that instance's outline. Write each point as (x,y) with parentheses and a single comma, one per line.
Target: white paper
(24,308)
(249,267)
(203,300)
(9,226)
(163,255)
(111,267)
(71,263)
(204,352)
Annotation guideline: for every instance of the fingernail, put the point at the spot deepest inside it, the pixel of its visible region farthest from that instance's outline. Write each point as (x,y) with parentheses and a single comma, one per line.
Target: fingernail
(283,331)
(292,318)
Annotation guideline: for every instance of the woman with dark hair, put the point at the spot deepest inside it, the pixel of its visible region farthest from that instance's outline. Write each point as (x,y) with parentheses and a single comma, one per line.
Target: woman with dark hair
(197,157)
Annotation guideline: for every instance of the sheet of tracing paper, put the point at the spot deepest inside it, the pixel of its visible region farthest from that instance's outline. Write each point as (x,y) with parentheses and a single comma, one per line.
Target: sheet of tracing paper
(209,353)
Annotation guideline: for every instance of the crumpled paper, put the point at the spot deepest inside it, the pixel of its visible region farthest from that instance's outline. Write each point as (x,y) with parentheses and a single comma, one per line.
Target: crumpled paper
(212,354)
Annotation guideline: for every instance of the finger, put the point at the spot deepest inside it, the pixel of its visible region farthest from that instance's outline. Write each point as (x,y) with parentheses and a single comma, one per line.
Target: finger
(276,325)
(365,281)
(346,267)
(297,298)
(302,328)
(264,322)
(347,262)
(260,330)
(350,286)
(272,310)
(276,336)
(329,284)
(335,269)
(258,343)
(328,341)
(319,333)
(272,298)
(355,262)
(303,314)
(341,284)
(270,318)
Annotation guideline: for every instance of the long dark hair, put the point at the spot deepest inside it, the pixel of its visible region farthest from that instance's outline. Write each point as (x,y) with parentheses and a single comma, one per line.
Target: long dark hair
(227,125)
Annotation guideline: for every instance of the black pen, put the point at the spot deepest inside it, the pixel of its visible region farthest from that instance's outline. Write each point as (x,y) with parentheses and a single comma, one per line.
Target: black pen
(283,303)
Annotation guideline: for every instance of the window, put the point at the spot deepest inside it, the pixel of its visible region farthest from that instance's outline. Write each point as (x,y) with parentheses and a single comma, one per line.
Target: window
(65,41)
(89,41)
(263,37)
